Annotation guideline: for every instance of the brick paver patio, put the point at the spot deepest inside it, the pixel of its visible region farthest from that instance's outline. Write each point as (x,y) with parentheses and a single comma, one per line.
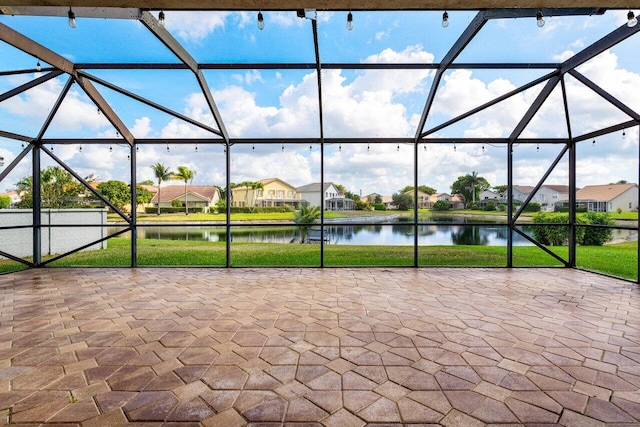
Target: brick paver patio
(333,347)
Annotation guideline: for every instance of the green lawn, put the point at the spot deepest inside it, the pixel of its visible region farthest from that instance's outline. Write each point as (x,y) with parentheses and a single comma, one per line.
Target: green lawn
(185,253)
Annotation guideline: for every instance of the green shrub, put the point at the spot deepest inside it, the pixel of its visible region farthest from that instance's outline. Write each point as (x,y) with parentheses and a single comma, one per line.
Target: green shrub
(172,210)
(361,206)
(551,232)
(532,207)
(474,207)
(260,209)
(175,203)
(489,207)
(441,205)
(596,236)
(502,207)
(379,207)
(5,202)
(566,209)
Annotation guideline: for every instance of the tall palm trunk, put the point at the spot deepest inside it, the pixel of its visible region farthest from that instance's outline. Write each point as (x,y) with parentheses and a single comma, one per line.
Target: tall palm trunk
(159,182)
(186,205)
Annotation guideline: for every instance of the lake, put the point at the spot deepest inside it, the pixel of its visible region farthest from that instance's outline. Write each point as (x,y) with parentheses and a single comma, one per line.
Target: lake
(400,233)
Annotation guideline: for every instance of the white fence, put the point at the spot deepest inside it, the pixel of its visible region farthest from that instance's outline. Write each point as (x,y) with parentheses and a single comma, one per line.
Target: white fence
(55,240)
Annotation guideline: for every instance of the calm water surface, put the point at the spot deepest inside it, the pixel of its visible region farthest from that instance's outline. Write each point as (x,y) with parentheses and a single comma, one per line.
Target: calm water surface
(375,234)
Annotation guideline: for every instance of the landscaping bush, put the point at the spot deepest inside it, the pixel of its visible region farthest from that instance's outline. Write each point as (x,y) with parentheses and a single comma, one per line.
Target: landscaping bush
(260,209)
(489,207)
(502,207)
(5,202)
(379,207)
(566,209)
(441,205)
(175,203)
(532,207)
(596,236)
(555,235)
(361,206)
(172,210)
(474,207)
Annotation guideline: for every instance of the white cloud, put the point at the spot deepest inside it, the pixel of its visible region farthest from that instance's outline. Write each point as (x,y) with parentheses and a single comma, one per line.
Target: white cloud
(284,19)
(380,35)
(249,77)
(194,26)
(75,112)
(141,128)
(563,56)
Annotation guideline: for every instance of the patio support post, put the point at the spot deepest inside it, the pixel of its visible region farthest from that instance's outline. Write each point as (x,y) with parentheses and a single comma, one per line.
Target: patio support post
(227,151)
(572,204)
(415,205)
(572,179)
(316,47)
(134,205)
(36,198)
(510,204)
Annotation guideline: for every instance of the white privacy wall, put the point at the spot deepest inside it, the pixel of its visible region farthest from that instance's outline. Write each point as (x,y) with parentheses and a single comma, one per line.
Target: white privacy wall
(55,240)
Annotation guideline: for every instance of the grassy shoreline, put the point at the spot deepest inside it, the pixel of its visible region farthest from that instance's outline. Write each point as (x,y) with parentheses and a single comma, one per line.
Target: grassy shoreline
(190,253)
(209,218)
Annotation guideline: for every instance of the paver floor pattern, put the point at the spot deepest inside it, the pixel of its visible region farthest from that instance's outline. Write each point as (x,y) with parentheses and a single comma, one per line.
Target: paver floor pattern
(333,347)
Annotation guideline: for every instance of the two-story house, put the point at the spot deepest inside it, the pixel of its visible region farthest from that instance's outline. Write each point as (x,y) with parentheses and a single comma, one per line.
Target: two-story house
(271,192)
(334,199)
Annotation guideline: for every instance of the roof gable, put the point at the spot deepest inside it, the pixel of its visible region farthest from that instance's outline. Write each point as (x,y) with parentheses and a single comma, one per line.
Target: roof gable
(602,192)
(172,192)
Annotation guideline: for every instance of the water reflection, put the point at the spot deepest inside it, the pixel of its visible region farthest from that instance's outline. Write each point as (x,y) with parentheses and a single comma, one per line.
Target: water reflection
(401,234)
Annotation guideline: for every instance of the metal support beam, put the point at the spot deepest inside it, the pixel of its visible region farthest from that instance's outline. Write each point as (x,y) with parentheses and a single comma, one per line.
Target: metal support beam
(85,184)
(168,40)
(606,131)
(106,109)
(55,108)
(16,136)
(316,48)
(533,109)
(134,204)
(572,179)
(598,47)
(181,53)
(606,95)
(16,259)
(6,171)
(27,45)
(510,220)
(541,182)
(36,199)
(227,153)
(465,38)
(148,102)
(80,12)
(29,85)
(212,105)
(488,104)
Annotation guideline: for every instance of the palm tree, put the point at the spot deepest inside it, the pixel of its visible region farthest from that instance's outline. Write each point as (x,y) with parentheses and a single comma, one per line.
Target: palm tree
(304,217)
(473,180)
(162,173)
(184,174)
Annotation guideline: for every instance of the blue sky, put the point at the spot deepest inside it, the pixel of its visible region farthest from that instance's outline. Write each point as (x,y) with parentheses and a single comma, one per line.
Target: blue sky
(283,103)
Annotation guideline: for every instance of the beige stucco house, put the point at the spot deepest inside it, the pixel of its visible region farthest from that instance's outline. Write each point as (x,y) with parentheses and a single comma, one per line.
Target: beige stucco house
(198,196)
(274,192)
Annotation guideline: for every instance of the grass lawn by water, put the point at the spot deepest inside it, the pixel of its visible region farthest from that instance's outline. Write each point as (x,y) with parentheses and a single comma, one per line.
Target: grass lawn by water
(617,260)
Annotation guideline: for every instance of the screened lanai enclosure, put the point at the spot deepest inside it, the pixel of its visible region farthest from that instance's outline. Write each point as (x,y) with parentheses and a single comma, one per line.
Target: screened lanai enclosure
(490,115)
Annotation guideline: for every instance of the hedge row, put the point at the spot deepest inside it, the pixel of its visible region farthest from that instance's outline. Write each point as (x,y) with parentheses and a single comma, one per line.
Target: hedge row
(260,209)
(557,235)
(172,210)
